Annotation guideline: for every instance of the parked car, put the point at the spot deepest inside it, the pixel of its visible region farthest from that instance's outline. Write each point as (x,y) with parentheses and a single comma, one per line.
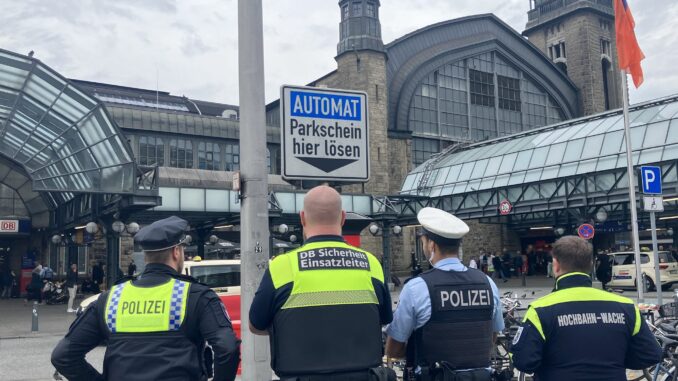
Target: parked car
(223,276)
(624,269)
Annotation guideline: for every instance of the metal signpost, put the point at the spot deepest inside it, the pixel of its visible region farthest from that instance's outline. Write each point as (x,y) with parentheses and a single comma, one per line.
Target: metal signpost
(324,134)
(653,202)
(253,182)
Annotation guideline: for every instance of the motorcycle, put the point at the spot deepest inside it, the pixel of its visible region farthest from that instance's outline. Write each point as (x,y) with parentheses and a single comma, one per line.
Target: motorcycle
(55,293)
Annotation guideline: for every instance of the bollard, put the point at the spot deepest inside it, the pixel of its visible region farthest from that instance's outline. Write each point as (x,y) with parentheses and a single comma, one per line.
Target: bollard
(524,281)
(34,320)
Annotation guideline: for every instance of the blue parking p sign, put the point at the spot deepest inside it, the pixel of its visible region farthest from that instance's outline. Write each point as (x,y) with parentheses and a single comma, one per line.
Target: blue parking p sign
(652,180)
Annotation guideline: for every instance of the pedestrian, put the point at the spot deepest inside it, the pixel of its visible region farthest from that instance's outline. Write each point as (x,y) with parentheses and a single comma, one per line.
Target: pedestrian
(549,265)
(72,286)
(498,268)
(472,263)
(5,283)
(578,332)
(603,269)
(98,276)
(483,261)
(132,268)
(34,288)
(429,326)
(323,303)
(155,326)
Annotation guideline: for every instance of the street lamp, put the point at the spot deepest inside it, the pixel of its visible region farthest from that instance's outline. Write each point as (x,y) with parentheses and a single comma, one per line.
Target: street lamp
(133,228)
(560,231)
(118,226)
(374,228)
(92,227)
(214,239)
(293,238)
(601,215)
(283,228)
(56,239)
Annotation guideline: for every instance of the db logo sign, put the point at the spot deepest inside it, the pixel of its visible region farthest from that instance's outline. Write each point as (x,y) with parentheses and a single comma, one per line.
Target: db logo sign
(505,207)
(9,226)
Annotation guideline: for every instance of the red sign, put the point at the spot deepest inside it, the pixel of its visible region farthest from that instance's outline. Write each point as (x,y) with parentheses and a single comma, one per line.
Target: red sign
(505,207)
(586,231)
(9,226)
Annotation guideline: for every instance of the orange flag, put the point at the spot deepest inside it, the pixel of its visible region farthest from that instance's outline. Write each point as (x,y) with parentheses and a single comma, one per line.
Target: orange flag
(628,50)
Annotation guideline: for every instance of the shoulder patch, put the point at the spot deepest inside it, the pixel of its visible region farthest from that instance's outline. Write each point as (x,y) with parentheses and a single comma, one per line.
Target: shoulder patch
(516,338)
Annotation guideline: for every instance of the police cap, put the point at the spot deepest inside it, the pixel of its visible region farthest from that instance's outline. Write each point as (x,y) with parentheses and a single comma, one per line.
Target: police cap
(442,223)
(162,234)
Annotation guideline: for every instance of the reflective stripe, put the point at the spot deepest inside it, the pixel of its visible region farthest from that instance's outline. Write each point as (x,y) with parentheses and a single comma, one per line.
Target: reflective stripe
(176,305)
(330,298)
(112,310)
(636,327)
(533,318)
(579,294)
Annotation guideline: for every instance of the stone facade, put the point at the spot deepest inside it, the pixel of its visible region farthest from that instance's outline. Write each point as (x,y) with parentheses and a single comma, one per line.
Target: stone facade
(585,34)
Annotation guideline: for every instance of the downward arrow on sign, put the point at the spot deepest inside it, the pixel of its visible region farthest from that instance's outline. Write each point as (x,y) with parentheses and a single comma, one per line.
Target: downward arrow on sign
(327,165)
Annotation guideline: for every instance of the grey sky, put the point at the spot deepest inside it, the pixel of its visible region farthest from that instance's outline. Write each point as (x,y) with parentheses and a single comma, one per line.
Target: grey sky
(192,45)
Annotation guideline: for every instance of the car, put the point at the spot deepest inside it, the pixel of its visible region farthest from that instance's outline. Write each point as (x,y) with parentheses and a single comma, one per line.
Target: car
(223,276)
(624,270)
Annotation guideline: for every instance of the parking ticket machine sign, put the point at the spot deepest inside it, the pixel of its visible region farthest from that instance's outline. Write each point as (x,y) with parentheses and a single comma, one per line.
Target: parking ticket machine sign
(324,134)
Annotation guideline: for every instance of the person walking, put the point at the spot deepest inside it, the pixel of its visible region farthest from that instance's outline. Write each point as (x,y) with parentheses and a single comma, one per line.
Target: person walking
(498,268)
(603,269)
(132,268)
(98,276)
(72,286)
(5,283)
(156,326)
(472,264)
(34,288)
(323,303)
(448,318)
(581,333)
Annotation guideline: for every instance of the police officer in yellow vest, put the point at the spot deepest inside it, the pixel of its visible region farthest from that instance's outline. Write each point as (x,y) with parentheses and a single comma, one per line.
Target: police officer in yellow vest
(324,303)
(155,326)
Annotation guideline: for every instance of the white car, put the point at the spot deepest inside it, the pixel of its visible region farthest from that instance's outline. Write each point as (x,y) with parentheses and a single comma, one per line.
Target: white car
(223,276)
(624,269)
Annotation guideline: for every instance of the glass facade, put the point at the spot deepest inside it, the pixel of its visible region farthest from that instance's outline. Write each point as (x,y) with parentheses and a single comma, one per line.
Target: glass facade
(181,153)
(209,156)
(479,98)
(63,138)
(590,145)
(151,151)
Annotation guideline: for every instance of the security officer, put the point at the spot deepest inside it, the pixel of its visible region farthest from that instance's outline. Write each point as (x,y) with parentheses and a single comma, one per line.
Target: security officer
(578,332)
(156,326)
(448,317)
(323,304)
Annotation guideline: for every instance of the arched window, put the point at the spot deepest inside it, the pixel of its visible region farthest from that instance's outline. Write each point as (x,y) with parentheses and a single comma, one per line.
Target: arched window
(606,65)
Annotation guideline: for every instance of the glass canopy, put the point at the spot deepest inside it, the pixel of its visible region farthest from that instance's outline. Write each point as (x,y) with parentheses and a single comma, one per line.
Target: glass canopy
(576,147)
(63,138)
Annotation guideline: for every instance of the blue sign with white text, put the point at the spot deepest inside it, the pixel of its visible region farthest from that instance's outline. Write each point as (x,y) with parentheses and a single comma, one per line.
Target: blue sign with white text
(652,180)
(325,105)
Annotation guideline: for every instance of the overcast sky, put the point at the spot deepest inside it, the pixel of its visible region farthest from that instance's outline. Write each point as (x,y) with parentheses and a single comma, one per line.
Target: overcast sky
(192,45)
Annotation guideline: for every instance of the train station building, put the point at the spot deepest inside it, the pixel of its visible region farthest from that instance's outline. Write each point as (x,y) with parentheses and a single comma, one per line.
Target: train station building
(463,115)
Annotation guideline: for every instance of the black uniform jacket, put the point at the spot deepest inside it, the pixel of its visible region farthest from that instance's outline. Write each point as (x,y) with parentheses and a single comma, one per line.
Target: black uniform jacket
(581,333)
(205,320)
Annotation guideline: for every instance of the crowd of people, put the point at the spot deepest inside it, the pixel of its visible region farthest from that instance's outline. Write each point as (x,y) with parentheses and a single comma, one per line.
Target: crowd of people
(509,264)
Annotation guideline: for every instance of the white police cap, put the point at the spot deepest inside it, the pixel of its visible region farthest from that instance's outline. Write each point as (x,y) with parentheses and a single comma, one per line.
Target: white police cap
(441,223)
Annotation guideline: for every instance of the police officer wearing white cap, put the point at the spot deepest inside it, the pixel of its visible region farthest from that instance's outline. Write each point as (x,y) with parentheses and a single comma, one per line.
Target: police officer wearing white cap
(156,325)
(448,317)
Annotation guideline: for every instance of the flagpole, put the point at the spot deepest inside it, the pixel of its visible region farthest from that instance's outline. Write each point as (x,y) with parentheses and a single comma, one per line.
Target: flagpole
(640,281)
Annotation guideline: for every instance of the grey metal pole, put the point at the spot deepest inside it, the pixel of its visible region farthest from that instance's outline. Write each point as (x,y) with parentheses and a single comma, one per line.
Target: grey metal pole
(34,317)
(386,245)
(657,276)
(254,230)
(632,190)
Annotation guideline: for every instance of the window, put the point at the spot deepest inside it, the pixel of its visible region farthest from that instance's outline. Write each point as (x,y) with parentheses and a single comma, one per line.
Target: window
(605,48)
(422,149)
(482,88)
(217,275)
(151,151)
(604,24)
(232,159)
(509,93)
(209,156)
(82,259)
(181,153)
(370,10)
(357,9)
(558,51)
(345,12)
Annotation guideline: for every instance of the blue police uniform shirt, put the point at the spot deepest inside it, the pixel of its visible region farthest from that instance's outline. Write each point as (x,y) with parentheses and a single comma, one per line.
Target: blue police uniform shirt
(414,307)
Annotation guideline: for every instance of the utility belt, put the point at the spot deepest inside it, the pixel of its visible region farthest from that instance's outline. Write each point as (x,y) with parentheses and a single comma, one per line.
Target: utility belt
(373,374)
(445,373)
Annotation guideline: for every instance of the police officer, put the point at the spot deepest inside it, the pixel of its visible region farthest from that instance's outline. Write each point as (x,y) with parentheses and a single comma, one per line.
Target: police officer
(448,317)
(155,326)
(323,304)
(578,332)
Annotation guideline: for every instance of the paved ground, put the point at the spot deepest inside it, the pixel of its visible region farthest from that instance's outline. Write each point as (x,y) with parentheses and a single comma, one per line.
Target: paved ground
(24,355)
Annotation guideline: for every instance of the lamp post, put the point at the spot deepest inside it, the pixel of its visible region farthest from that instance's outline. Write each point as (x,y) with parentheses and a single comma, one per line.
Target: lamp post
(117,227)
(385,228)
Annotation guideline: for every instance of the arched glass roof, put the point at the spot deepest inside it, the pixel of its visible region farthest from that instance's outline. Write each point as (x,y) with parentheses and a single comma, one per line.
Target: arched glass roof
(581,146)
(63,138)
